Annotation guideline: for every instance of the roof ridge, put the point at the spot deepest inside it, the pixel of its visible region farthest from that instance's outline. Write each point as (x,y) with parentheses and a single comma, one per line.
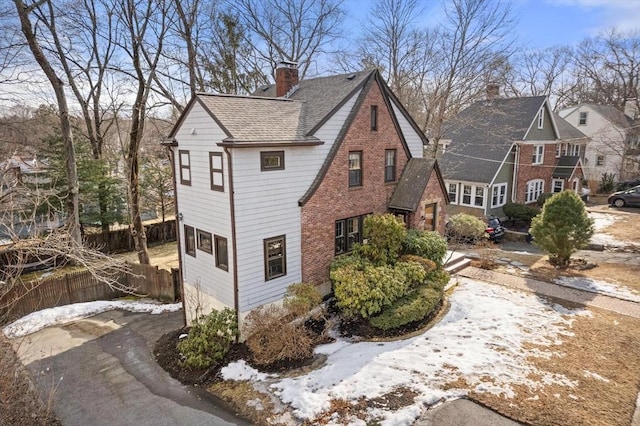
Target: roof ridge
(231,95)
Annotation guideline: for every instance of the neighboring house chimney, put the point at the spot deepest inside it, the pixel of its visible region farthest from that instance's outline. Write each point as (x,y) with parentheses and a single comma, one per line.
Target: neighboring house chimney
(631,108)
(493,91)
(286,77)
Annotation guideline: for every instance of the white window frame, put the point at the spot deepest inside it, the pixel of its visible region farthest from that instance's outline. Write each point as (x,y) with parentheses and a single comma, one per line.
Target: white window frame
(541,119)
(559,150)
(580,115)
(535,187)
(455,192)
(553,185)
(473,195)
(574,150)
(603,162)
(499,193)
(538,155)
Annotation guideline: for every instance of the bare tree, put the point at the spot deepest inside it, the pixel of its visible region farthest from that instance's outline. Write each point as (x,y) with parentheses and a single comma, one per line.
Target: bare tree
(293,30)
(73,217)
(607,70)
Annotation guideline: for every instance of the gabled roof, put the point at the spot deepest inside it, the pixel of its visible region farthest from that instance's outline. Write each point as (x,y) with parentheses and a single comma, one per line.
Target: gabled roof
(413,182)
(568,133)
(565,166)
(321,95)
(482,136)
(612,114)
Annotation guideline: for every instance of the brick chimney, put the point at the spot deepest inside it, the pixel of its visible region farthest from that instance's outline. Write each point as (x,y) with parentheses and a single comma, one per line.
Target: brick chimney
(493,91)
(286,77)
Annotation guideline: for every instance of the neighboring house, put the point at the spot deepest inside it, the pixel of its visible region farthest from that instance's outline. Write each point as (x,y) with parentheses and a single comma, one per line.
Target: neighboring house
(271,188)
(508,150)
(614,147)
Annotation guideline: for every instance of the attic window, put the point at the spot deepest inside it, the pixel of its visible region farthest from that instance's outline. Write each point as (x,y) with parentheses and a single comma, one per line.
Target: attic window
(541,119)
(374,117)
(583,119)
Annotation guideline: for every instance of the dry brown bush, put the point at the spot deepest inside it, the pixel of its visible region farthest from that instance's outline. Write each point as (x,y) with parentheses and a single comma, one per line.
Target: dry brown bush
(273,338)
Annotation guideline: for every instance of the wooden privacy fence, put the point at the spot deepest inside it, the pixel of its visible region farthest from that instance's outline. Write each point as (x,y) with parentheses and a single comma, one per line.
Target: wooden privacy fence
(82,286)
(121,239)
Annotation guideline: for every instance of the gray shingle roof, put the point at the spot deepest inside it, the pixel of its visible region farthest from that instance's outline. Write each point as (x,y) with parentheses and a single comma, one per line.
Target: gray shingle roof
(321,95)
(565,167)
(482,135)
(412,184)
(251,119)
(612,114)
(567,132)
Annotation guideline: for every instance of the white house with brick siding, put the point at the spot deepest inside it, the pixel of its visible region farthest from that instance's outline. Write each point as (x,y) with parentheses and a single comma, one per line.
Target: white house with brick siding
(271,187)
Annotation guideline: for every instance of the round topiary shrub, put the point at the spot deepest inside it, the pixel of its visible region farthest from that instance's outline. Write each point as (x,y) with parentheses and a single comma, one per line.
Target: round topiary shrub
(464,228)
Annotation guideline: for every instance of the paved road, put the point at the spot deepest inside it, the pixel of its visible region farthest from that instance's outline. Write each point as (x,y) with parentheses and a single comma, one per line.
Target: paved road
(102,372)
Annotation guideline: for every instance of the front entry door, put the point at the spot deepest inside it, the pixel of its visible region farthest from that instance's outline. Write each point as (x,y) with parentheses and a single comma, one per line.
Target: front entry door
(430,217)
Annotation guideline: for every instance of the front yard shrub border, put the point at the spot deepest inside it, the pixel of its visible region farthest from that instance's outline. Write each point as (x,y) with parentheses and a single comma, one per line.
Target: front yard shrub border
(412,308)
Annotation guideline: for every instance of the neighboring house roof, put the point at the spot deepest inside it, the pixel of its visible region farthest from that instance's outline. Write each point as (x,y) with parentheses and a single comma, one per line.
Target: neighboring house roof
(610,113)
(565,167)
(413,182)
(482,135)
(568,133)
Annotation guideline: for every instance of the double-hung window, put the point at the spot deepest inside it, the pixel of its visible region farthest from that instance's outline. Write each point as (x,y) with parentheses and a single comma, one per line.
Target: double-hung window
(557,185)
(355,168)
(348,232)
(275,257)
(583,119)
(185,167)
(600,160)
(499,195)
(215,169)
(204,241)
(538,154)
(453,193)
(534,189)
(479,198)
(390,165)
(466,194)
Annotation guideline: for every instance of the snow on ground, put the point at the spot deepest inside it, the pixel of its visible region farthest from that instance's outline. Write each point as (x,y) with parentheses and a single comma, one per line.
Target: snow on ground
(62,314)
(481,340)
(601,287)
(601,222)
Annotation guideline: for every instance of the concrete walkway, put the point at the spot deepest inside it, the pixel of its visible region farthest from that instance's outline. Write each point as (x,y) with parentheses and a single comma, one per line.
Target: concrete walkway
(542,288)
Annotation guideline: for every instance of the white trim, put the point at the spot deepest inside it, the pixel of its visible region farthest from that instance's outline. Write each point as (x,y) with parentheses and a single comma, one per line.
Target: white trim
(533,191)
(538,157)
(553,185)
(504,160)
(457,192)
(472,195)
(502,187)
(540,118)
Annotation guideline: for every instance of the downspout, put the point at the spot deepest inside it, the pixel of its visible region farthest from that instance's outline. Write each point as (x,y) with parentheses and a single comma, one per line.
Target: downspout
(232,208)
(178,240)
(516,163)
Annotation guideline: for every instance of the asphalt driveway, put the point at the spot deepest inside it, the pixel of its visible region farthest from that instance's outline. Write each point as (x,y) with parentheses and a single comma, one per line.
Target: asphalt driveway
(101,371)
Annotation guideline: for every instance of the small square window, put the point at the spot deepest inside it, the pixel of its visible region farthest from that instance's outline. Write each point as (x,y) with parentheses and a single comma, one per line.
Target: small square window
(374,117)
(215,168)
(189,240)
(583,119)
(271,160)
(185,167)
(222,255)
(204,241)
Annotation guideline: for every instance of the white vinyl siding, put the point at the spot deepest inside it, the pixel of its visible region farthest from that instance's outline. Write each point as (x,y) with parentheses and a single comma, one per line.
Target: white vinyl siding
(414,142)
(534,189)
(264,214)
(202,208)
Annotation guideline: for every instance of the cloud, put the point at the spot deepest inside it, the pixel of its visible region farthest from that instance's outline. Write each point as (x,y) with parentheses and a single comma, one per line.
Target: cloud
(622,14)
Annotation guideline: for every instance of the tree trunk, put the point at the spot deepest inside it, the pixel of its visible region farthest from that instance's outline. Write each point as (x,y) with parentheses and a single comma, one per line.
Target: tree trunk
(73,214)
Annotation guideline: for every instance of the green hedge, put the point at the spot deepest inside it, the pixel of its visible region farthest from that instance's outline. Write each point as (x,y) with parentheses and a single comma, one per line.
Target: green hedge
(411,308)
(209,339)
(430,245)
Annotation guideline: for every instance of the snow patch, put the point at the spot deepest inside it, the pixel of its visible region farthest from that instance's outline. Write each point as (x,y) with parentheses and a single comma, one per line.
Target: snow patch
(601,287)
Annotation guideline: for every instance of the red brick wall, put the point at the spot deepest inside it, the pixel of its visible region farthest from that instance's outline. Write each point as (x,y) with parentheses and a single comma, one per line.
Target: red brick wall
(432,194)
(334,199)
(527,171)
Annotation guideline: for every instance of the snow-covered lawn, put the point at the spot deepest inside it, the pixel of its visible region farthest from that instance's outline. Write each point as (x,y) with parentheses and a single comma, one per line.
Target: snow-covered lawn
(603,221)
(601,287)
(484,343)
(62,314)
